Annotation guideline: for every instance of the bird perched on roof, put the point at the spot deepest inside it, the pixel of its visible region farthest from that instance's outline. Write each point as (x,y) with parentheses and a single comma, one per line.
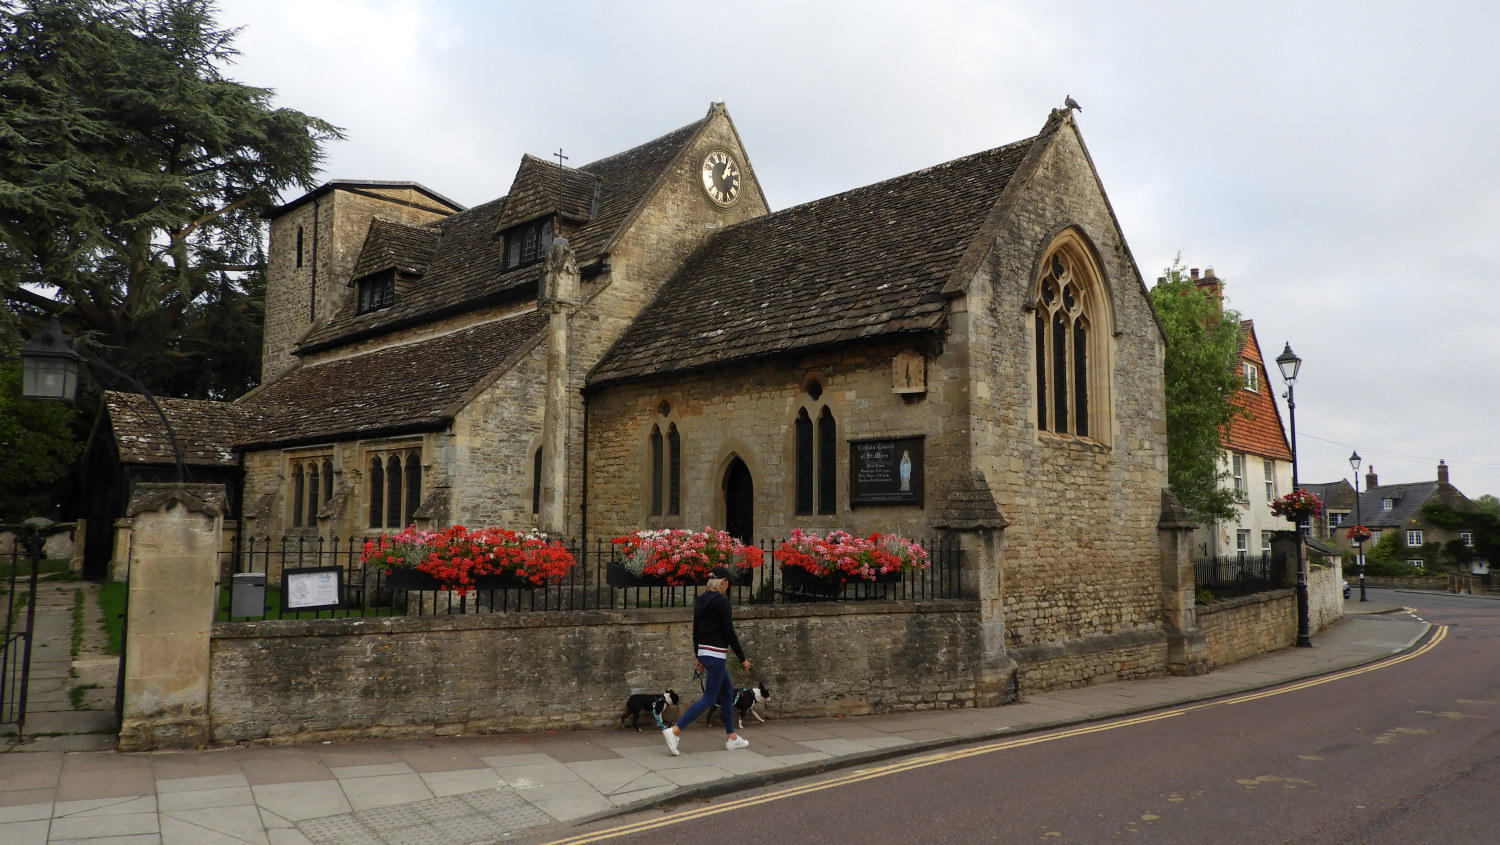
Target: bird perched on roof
(1072,103)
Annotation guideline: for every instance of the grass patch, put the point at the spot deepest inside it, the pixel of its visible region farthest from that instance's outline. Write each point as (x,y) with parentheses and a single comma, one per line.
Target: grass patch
(78,693)
(54,569)
(112,607)
(77,623)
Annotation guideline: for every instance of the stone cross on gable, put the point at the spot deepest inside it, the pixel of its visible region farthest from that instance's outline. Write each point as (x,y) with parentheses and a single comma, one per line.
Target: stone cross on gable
(560,157)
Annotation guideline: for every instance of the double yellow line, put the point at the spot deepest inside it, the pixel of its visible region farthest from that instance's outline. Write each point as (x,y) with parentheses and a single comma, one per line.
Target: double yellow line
(1440,633)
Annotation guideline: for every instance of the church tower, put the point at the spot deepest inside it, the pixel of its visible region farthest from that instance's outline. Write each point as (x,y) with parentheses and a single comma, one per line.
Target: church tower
(314,243)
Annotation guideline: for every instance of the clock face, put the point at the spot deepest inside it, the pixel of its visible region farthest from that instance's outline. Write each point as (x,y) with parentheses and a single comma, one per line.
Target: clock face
(721,177)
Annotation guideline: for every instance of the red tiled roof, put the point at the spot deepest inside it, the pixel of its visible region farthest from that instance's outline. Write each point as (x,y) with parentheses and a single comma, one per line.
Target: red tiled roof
(1259,432)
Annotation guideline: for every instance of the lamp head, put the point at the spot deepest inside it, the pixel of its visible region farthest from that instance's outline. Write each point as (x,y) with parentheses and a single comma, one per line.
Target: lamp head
(49,366)
(1289,364)
(1354,462)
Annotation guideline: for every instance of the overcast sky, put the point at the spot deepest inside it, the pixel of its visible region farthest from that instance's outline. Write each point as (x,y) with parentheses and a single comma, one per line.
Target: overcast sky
(1327,159)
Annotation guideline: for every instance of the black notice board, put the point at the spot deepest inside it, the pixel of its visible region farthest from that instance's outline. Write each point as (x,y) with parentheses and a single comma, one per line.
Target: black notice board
(312,588)
(886,471)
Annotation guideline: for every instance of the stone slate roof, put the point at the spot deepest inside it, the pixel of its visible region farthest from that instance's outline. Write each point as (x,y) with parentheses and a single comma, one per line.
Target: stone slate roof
(1406,504)
(204,429)
(1260,431)
(868,263)
(409,388)
(467,262)
(392,244)
(968,505)
(541,187)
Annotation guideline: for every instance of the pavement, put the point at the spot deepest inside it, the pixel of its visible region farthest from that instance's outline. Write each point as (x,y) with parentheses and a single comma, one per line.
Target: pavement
(66,788)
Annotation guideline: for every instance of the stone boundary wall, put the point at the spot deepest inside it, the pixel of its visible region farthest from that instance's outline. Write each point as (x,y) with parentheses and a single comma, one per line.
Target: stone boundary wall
(1249,626)
(1127,656)
(306,680)
(1325,597)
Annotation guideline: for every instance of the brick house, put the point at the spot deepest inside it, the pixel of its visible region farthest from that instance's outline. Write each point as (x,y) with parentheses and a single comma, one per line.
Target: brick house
(642,342)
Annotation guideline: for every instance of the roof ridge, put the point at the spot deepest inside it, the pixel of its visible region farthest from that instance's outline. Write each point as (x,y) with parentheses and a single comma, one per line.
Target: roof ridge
(694,126)
(872,187)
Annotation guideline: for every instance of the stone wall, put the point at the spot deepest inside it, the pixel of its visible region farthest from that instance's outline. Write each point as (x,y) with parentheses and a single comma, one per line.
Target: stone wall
(749,412)
(1082,554)
(412,676)
(1094,660)
(334,224)
(1249,626)
(1325,597)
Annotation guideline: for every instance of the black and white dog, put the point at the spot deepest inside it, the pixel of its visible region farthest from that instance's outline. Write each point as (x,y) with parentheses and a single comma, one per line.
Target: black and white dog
(645,702)
(745,701)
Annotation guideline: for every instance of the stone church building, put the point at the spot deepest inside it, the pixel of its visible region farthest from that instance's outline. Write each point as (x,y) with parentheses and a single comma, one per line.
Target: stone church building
(642,342)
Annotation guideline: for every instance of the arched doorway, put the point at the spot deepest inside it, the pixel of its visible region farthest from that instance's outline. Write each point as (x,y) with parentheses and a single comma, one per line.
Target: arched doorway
(739,502)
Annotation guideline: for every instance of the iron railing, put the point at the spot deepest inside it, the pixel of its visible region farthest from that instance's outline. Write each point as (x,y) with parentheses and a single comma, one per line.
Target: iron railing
(18,605)
(367,590)
(1238,575)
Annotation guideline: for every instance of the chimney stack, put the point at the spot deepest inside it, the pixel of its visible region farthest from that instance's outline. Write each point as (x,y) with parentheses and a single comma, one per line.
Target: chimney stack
(1371,481)
(1194,273)
(1442,472)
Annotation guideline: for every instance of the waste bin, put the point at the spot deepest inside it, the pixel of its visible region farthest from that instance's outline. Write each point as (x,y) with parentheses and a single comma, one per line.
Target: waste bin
(247,595)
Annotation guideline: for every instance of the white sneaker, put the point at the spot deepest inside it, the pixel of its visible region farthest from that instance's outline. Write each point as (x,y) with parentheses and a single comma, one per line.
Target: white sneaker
(732,744)
(671,739)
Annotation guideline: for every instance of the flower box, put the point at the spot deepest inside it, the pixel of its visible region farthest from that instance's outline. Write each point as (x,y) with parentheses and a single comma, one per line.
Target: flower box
(411,579)
(616,575)
(682,558)
(807,585)
(503,581)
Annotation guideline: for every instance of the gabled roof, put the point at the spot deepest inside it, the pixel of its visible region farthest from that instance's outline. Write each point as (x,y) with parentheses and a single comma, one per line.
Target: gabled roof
(1406,503)
(403,389)
(367,186)
(542,188)
(203,429)
(467,268)
(1259,432)
(868,263)
(391,244)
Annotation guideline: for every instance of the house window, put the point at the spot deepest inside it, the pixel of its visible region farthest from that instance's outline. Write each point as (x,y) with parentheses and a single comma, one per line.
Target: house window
(1237,461)
(1067,345)
(377,292)
(1338,518)
(394,487)
(1252,377)
(1265,541)
(1418,563)
(299,246)
(1467,537)
(816,460)
(310,480)
(1242,542)
(528,243)
(1387,504)
(666,471)
(1413,538)
(1270,471)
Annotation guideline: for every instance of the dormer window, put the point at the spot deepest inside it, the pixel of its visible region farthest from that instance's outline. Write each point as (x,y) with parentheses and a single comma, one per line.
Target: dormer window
(377,292)
(528,243)
(1387,504)
(1252,377)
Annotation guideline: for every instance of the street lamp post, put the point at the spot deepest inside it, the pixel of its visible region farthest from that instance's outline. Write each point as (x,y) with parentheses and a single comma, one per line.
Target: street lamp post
(1360,521)
(1289,363)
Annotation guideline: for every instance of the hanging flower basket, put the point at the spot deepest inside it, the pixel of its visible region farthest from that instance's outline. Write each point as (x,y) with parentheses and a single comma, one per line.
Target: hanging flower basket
(1298,505)
(616,575)
(1358,534)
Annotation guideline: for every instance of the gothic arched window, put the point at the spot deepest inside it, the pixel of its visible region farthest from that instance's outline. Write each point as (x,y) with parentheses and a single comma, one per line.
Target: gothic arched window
(1070,306)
